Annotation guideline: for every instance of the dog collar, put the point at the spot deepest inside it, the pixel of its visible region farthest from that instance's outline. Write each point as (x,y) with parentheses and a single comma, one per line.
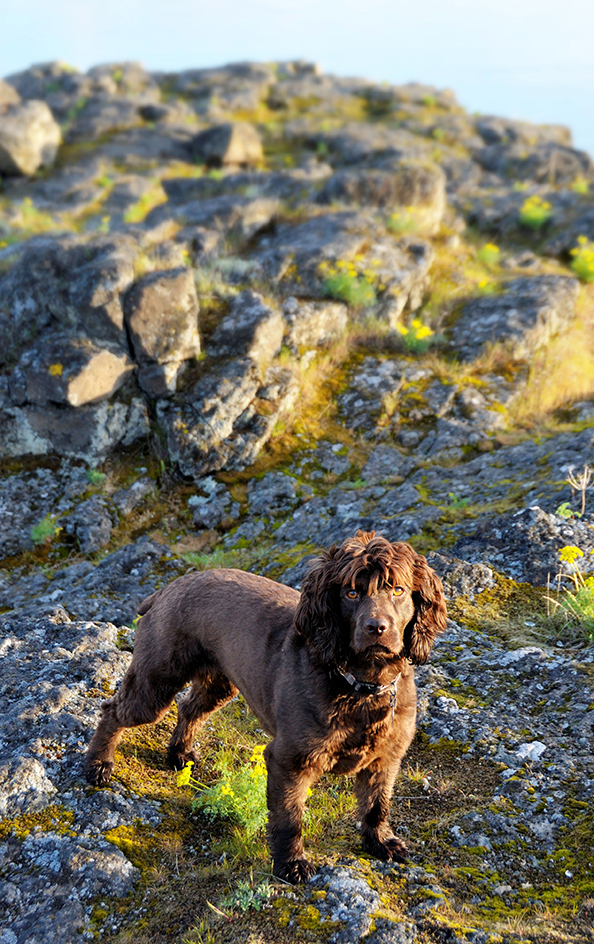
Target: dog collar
(370,688)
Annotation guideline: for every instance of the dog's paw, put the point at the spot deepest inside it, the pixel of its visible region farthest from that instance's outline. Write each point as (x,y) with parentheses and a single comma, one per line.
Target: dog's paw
(99,773)
(177,760)
(295,871)
(389,848)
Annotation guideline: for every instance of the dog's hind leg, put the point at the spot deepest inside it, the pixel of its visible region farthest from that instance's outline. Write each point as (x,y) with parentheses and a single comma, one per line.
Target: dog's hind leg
(137,701)
(207,694)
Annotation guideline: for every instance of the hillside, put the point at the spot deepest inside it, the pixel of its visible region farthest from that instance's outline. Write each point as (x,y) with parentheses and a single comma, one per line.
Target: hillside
(245,312)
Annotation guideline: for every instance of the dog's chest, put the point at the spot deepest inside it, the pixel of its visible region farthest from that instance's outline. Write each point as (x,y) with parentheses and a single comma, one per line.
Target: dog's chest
(354,740)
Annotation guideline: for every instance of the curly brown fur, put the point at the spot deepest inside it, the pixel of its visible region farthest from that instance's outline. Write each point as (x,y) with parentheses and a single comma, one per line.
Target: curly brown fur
(368,609)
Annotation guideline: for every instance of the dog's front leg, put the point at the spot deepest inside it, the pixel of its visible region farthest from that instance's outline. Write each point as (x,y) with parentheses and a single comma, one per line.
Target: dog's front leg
(288,783)
(373,789)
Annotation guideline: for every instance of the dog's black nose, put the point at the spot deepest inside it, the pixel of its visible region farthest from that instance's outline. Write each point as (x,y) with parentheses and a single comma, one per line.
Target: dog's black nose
(375,626)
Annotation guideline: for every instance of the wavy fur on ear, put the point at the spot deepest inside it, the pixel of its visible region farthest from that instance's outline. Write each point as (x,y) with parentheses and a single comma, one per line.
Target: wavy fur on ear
(430,612)
(317,618)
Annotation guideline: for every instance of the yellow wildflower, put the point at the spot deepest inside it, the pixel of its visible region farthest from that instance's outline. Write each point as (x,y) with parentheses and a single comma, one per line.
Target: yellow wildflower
(569,554)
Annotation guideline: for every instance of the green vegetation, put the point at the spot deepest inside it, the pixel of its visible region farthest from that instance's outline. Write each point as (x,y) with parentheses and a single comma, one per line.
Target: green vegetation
(535,212)
(349,282)
(417,337)
(239,796)
(575,607)
(45,530)
(582,262)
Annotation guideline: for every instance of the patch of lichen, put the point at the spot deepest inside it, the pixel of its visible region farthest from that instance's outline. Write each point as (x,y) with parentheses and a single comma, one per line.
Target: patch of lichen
(54,818)
(505,610)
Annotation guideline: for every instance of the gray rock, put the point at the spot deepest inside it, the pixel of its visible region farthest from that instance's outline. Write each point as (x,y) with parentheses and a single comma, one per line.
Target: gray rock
(55,83)
(494,130)
(216,92)
(525,546)
(215,508)
(235,215)
(544,163)
(252,328)
(235,143)
(218,424)
(24,786)
(89,433)
(313,324)
(386,464)
(355,142)
(127,499)
(89,524)
(350,899)
(8,96)
(523,318)
(460,578)
(29,138)
(72,371)
(274,494)
(162,319)
(101,115)
(564,242)
(66,283)
(410,184)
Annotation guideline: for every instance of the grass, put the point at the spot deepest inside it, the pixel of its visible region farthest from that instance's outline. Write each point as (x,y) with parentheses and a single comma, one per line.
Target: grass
(44,531)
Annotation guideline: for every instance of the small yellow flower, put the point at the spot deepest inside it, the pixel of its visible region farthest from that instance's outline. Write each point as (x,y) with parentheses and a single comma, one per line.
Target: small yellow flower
(55,370)
(401,329)
(226,790)
(569,554)
(185,775)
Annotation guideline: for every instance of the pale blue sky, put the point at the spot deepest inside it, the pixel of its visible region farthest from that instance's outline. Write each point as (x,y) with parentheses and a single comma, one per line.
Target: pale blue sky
(531,59)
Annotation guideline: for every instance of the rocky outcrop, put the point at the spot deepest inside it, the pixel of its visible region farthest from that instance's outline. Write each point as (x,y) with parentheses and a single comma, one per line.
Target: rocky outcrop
(242,319)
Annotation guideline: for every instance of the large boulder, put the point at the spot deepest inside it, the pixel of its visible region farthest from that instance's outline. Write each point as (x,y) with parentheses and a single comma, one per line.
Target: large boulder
(545,163)
(162,320)
(29,138)
(523,318)
(234,143)
(311,324)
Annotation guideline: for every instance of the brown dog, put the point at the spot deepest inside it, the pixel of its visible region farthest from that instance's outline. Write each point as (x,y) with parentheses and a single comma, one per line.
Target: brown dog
(328,674)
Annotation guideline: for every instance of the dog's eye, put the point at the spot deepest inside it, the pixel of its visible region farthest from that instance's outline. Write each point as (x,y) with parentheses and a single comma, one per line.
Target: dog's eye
(352,594)
(397,591)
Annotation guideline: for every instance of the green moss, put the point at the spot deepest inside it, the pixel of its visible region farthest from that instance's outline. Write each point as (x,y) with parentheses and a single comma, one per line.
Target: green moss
(54,818)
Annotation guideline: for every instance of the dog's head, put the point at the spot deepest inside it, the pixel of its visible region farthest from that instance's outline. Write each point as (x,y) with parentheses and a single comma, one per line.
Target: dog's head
(370,599)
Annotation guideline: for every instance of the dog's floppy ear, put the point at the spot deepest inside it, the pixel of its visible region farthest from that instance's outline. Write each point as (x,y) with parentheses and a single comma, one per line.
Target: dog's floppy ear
(430,612)
(317,614)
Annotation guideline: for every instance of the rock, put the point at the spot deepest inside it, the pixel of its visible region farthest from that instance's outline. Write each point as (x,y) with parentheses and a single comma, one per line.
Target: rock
(8,96)
(251,328)
(523,318)
(297,256)
(232,143)
(349,898)
(411,184)
(313,324)
(89,433)
(274,494)
(162,319)
(216,92)
(55,83)
(29,138)
(525,546)
(495,130)
(459,577)
(24,786)
(565,241)
(241,216)
(103,115)
(66,283)
(127,499)
(545,163)
(89,524)
(217,425)
(386,464)
(72,371)
(215,508)
(355,142)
